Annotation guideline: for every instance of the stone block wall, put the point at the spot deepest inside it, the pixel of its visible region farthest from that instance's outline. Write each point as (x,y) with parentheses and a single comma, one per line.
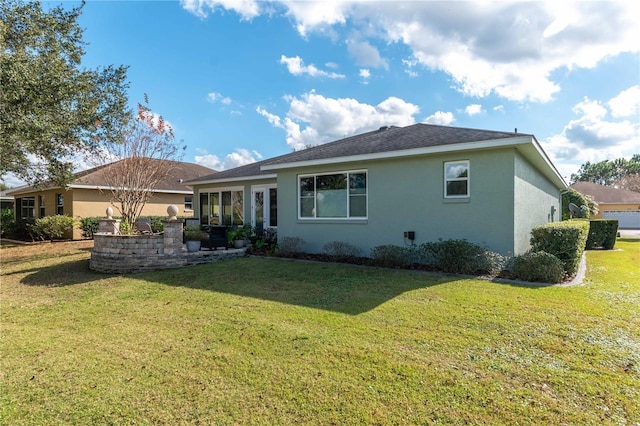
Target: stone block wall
(123,254)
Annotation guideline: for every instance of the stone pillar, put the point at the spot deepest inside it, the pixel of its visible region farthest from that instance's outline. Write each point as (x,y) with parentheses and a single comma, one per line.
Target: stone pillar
(109,226)
(173,233)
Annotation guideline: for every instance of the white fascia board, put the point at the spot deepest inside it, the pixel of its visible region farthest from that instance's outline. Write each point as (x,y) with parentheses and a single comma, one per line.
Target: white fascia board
(227,180)
(562,183)
(493,143)
(109,188)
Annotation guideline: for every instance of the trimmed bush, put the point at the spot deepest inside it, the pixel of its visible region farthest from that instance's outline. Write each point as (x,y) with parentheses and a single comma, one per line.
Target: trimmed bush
(89,226)
(565,240)
(538,267)
(461,257)
(340,249)
(289,246)
(391,256)
(6,221)
(54,227)
(602,233)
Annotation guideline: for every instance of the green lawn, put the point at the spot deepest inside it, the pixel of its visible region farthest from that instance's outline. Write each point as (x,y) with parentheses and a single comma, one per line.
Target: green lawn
(268,341)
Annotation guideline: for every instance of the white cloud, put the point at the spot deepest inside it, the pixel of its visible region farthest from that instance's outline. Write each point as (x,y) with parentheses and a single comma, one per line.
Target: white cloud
(591,137)
(365,74)
(313,119)
(296,66)
(473,109)
(627,103)
(366,55)
(317,15)
(247,9)
(440,118)
(510,49)
(214,97)
(239,157)
(499,108)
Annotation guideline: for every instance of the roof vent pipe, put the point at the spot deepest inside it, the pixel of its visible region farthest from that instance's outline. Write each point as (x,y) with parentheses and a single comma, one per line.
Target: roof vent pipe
(383,128)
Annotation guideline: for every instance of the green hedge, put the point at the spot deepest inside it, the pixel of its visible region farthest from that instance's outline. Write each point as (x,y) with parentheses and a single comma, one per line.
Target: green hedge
(565,240)
(538,267)
(54,227)
(602,233)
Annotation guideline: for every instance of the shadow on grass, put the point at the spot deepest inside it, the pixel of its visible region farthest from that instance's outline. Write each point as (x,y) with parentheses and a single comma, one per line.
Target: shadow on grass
(334,287)
(62,274)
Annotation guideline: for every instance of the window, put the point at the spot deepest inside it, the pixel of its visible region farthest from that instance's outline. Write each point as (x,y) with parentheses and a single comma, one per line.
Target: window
(335,195)
(41,205)
(264,207)
(28,207)
(222,207)
(188,202)
(456,179)
(60,204)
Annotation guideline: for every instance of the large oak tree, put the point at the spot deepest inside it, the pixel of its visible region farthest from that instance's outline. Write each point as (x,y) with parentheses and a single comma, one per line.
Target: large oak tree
(51,107)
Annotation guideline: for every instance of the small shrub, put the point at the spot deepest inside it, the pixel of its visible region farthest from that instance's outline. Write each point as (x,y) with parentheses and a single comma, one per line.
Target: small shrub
(89,226)
(391,256)
(538,267)
(340,249)
(156,224)
(289,246)
(602,233)
(461,257)
(6,221)
(565,240)
(53,227)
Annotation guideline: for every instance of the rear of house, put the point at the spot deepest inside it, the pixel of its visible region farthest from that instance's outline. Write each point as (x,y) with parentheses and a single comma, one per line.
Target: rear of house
(399,186)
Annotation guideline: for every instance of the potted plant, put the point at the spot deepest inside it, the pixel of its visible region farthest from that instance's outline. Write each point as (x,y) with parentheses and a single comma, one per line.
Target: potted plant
(192,237)
(237,236)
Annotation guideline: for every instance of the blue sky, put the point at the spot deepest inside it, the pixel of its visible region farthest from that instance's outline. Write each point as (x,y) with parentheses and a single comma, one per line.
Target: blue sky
(241,80)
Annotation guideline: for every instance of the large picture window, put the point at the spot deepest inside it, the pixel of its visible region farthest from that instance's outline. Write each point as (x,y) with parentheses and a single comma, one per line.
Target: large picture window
(333,195)
(456,179)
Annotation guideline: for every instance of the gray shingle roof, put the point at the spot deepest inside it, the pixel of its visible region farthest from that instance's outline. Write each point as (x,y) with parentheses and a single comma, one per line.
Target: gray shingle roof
(385,139)
(607,194)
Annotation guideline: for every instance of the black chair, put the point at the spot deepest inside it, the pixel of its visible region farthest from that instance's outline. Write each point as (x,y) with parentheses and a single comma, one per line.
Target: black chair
(217,237)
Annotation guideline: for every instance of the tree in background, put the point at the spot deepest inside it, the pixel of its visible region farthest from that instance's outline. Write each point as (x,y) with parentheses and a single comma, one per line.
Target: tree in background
(621,173)
(51,108)
(138,161)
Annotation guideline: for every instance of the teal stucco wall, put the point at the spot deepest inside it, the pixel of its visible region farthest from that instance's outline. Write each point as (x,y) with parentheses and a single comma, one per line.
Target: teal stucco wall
(537,201)
(408,195)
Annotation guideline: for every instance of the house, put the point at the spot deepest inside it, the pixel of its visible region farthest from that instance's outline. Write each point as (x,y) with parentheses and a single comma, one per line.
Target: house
(395,185)
(613,203)
(6,201)
(88,194)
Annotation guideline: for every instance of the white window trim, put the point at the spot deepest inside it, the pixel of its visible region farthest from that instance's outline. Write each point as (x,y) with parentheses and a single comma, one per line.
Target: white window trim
(467,179)
(221,190)
(329,219)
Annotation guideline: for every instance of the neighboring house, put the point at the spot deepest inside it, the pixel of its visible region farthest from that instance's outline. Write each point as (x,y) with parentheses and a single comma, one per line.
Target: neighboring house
(88,194)
(372,189)
(613,203)
(6,201)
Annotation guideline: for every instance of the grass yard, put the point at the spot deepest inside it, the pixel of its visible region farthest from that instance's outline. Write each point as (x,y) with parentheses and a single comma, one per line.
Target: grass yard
(268,341)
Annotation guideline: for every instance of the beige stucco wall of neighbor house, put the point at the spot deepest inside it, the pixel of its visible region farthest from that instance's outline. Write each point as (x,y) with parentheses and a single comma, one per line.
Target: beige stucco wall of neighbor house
(537,201)
(408,195)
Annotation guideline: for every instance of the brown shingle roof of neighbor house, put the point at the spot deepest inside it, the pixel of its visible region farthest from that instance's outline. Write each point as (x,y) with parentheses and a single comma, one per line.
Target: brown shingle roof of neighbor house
(383,140)
(607,194)
(180,173)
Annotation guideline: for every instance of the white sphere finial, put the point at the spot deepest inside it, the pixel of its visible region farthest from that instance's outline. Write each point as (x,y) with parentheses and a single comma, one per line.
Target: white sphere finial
(109,213)
(172,211)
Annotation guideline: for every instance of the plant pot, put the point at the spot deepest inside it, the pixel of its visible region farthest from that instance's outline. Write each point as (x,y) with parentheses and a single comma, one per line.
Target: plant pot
(193,245)
(238,244)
